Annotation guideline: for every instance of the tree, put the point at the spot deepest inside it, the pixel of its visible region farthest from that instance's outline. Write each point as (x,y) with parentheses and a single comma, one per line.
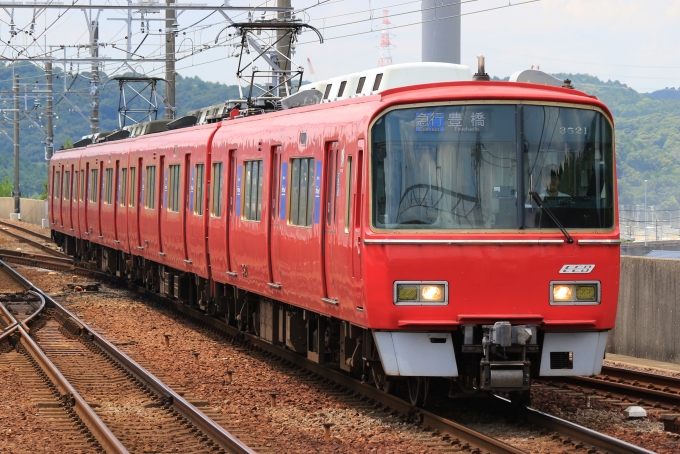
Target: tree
(6,187)
(67,144)
(43,196)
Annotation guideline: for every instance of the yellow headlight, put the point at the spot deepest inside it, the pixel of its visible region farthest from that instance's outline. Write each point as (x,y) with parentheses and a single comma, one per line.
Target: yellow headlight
(562,292)
(586,292)
(407,293)
(432,293)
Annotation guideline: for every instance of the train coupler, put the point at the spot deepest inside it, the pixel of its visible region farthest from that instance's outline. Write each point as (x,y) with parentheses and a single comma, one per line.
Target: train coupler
(505,375)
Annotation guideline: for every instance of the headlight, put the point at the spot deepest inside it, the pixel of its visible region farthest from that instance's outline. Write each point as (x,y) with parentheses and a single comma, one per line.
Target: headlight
(421,293)
(432,293)
(562,292)
(574,293)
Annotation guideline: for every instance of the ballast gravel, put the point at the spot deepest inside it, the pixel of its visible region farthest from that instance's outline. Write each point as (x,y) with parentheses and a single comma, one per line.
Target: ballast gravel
(295,423)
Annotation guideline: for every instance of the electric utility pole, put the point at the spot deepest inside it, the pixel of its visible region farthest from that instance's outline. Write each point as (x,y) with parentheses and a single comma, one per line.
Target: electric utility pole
(170,62)
(16,193)
(283,46)
(94,82)
(49,132)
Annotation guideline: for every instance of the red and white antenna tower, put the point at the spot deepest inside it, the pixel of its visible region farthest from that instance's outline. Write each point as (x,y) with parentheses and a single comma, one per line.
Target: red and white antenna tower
(385,58)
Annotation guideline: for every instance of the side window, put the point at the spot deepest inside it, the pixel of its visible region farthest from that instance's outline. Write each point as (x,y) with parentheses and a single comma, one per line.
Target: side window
(76,182)
(123,187)
(233,182)
(150,201)
(57,185)
(331,192)
(67,185)
(252,190)
(94,184)
(108,187)
(301,192)
(82,185)
(275,182)
(133,183)
(348,193)
(173,196)
(198,192)
(216,199)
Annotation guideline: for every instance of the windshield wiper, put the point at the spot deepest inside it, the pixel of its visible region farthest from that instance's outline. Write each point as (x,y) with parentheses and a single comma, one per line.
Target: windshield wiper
(537,198)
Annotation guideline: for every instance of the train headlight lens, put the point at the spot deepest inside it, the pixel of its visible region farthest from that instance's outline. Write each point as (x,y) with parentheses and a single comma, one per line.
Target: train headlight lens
(586,293)
(432,293)
(562,292)
(407,293)
(575,293)
(421,293)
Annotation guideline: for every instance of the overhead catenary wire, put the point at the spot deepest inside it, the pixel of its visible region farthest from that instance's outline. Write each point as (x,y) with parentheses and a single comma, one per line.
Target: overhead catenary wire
(427,21)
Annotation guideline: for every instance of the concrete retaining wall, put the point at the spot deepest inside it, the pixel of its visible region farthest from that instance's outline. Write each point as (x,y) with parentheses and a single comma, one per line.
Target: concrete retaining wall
(647,322)
(32,211)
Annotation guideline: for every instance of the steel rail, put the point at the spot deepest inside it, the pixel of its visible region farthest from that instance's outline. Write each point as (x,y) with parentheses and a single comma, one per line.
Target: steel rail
(588,436)
(39,257)
(33,243)
(106,439)
(13,323)
(665,399)
(27,260)
(216,432)
(647,377)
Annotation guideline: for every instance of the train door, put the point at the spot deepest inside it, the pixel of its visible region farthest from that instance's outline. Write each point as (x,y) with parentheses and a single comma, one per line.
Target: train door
(114,200)
(88,185)
(188,192)
(231,190)
(57,200)
(71,196)
(329,230)
(135,203)
(250,252)
(162,202)
(53,191)
(275,213)
(357,202)
(100,203)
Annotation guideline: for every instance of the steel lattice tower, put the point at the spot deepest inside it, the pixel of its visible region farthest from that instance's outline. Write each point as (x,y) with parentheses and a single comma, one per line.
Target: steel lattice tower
(385,58)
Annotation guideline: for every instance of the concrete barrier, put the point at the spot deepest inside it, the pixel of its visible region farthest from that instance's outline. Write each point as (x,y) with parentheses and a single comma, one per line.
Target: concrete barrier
(32,211)
(649,302)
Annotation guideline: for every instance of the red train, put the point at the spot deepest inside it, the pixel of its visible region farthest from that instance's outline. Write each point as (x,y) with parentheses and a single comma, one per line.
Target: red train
(463,229)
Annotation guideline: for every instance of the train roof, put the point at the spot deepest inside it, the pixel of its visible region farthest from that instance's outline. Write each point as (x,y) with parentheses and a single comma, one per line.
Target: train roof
(401,83)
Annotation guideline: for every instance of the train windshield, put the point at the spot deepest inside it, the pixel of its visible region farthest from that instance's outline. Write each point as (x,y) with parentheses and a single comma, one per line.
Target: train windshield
(474,167)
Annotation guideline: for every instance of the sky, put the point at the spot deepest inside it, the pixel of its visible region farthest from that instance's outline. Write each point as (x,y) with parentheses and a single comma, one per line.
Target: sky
(634,42)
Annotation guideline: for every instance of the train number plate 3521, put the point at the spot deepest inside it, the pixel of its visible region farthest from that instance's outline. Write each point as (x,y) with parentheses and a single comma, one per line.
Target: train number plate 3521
(576,269)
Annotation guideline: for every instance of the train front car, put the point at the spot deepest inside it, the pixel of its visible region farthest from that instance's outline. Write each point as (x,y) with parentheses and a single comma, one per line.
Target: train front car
(493,240)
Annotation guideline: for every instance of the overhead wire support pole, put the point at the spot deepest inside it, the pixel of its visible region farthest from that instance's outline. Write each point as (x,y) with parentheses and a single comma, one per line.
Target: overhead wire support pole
(283,47)
(170,76)
(94,81)
(16,193)
(49,133)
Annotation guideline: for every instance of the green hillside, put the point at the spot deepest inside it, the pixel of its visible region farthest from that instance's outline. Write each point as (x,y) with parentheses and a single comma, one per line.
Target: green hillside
(647,128)
(192,93)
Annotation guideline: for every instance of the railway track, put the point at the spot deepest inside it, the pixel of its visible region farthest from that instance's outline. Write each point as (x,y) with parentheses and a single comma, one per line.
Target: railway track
(33,239)
(113,401)
(457,435)
(25,230)
(618,385)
